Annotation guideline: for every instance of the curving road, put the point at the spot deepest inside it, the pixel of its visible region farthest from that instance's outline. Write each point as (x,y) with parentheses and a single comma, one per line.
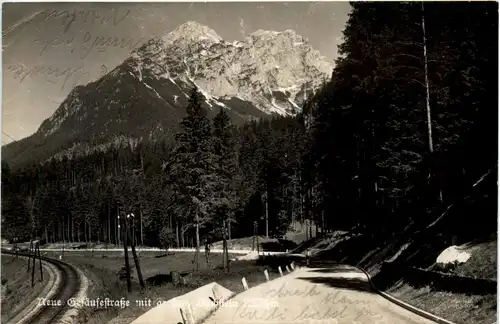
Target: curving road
(339,295)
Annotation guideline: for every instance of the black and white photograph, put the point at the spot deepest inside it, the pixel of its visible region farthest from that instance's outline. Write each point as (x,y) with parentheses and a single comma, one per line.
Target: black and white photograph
(300,162)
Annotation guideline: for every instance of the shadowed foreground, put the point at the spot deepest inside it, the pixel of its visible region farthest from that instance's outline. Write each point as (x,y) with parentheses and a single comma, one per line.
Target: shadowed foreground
(337,296)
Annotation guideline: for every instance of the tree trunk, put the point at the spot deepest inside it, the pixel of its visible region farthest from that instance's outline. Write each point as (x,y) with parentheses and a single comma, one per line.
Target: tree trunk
(225,255)
(85,232)
(140,224)
(177,239)
(267,215)
(323,231)
(197,243)
(72,230)
(125,250)
(63,239)
(307,230)
(109,224)
(117,231)
(182,239)
(316,227)
(427,94)
(68,228)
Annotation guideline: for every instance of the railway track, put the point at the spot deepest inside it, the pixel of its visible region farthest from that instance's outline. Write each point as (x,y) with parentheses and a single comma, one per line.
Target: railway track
(69,287)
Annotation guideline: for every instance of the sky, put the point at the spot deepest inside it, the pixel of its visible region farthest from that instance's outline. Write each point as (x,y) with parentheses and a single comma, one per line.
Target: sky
(47,47)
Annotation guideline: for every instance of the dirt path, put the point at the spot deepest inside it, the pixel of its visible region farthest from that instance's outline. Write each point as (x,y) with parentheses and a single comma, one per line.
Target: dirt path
(340,295)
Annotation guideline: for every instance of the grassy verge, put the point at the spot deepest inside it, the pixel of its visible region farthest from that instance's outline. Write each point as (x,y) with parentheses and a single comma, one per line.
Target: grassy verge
(17,292)
(458,308)
(101,270)
(482,263)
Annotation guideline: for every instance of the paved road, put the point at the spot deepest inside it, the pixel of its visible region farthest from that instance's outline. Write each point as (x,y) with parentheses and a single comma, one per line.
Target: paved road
(340,295)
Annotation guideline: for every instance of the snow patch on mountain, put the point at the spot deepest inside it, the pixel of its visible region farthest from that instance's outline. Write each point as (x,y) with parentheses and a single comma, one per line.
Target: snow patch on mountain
(149,87)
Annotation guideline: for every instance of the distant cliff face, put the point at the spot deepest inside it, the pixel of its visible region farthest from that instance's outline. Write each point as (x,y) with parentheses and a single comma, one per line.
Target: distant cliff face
(275,71)
(144,97)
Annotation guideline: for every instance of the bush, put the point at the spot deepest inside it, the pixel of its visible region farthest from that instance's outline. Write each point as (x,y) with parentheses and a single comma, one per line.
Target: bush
(122,273)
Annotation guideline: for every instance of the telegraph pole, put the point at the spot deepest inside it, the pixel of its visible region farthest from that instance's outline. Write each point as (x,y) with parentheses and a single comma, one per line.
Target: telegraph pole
(134,252)
(125,250)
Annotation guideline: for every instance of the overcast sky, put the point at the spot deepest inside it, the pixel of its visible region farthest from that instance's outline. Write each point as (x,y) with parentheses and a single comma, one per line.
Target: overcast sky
(45,56)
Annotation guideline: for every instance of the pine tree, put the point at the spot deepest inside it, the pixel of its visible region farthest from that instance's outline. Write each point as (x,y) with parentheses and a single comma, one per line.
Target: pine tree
(192,169)
(226,161)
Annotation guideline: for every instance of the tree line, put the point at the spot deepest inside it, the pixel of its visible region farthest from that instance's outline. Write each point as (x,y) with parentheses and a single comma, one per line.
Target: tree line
(213,174)
(406,125)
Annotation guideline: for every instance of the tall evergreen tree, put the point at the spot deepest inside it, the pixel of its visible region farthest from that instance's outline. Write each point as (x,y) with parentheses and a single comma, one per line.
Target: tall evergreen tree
(224,149)
(192,169)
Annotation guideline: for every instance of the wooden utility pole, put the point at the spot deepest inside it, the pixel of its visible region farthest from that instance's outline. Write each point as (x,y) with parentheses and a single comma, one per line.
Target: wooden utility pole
(125,250)
(34,266)
(29,256)
(134,253)
(35,249)
(40,260)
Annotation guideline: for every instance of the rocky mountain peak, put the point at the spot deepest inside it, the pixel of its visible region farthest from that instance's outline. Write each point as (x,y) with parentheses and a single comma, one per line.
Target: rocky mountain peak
(275,71)
(192,31)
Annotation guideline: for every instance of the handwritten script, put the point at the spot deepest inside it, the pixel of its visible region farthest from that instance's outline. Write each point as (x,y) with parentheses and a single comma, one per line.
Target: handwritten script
(318,307)
(99,42)
(90,42)
(51,74)
(86,16)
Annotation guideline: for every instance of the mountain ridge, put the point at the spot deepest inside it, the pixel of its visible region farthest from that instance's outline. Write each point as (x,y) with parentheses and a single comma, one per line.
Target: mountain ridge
(144,97)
